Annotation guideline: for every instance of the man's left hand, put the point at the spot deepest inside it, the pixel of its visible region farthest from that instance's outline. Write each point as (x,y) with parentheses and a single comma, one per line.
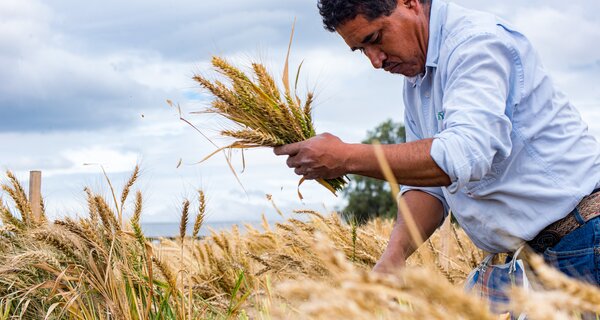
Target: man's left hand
(322,156)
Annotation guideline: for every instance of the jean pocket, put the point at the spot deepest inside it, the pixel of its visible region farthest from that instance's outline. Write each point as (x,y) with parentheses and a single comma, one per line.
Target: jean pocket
(579,264)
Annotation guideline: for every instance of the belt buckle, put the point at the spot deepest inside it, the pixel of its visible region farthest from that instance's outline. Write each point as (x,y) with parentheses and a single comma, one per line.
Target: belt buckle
(545,239)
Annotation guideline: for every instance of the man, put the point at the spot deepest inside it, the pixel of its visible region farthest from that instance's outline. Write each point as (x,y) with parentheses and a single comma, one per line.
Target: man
(489,135)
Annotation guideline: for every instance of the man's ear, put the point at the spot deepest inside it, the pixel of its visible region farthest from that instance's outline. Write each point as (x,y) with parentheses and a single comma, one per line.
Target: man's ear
(412,4)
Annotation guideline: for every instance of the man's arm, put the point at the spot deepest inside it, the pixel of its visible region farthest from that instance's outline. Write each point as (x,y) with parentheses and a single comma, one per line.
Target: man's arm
(410,162)
(326,156)
(427,212)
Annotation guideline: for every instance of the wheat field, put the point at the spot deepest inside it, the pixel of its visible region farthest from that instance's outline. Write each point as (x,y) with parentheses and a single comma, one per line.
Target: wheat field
(312,266)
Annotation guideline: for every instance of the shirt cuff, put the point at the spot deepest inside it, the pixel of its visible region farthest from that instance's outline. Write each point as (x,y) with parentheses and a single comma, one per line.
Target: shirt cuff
(450,157)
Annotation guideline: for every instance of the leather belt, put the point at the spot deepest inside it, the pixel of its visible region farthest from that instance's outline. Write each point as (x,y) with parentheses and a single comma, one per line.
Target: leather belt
(586,210)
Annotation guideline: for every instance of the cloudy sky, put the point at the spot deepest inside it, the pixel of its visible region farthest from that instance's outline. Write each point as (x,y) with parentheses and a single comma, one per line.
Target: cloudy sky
(86,82)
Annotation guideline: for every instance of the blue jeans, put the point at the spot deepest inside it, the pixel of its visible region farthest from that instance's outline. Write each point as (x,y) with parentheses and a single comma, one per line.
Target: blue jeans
(578,253)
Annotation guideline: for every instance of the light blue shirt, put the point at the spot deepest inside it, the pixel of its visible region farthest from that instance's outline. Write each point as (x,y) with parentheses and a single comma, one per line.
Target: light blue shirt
(517,152)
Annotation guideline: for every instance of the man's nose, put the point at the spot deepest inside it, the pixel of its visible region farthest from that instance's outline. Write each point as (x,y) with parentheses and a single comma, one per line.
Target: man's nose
(376,56)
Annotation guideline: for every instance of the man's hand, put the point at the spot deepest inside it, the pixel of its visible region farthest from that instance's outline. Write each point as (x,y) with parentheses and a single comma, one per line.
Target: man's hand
(322,156)
(387,265)
(428,212)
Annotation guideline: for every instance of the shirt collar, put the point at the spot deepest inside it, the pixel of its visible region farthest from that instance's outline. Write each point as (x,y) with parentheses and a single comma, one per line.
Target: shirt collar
(437,18)
(412,81)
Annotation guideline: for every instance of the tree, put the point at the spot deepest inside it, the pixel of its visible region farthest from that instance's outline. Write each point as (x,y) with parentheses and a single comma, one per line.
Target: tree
(367,197)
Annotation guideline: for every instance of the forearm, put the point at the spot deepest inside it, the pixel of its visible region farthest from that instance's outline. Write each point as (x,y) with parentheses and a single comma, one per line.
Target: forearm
(427,211)
(410,162)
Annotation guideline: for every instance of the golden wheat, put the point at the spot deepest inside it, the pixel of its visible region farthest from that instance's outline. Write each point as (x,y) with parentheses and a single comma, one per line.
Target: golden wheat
(265,117)
(312,266)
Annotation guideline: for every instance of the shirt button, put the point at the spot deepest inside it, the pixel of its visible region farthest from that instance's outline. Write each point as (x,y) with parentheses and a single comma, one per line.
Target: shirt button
(426,94)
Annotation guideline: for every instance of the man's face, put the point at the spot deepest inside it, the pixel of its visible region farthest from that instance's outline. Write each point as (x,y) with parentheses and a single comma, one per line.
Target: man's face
(395,43)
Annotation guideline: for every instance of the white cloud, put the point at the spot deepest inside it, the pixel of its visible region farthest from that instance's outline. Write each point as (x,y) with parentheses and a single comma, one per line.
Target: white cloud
(86,68)
(111,160)
(51,84)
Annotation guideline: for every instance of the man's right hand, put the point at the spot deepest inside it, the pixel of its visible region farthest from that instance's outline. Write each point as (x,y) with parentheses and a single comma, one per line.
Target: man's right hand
(387,266)
(322,156)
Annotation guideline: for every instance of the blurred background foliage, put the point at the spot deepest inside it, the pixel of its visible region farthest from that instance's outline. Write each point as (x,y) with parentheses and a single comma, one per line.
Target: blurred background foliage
(369,198)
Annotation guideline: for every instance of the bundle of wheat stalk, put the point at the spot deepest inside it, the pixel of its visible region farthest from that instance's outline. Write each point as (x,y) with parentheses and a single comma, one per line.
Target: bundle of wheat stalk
(266,117)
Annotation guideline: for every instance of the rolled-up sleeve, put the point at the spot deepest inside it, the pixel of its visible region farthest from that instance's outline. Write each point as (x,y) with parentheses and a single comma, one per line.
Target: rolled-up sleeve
(476,129)
(433,191)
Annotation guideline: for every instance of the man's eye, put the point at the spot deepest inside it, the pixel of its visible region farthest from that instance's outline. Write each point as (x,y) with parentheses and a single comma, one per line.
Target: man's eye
(377,40)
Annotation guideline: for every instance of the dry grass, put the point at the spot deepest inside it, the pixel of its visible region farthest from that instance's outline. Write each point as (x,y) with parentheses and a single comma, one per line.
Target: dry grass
(309,267)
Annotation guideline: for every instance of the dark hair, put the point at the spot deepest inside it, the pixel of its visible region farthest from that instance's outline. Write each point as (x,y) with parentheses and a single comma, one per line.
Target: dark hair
(337,12)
